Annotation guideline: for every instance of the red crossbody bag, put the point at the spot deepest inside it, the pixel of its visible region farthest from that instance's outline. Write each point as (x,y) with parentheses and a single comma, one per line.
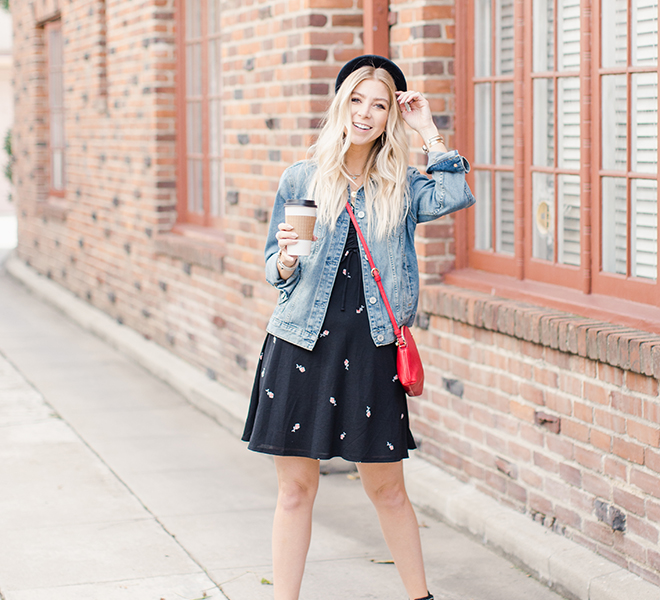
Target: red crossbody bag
(408,362)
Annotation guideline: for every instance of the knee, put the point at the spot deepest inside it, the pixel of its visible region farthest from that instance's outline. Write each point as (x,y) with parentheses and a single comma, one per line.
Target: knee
(390,497)
(294,495)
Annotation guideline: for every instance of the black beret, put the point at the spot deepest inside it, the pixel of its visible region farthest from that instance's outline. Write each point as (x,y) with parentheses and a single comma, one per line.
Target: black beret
(372,60)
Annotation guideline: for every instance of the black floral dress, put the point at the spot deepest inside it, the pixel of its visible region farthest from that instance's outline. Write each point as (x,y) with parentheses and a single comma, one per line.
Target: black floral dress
(343,398)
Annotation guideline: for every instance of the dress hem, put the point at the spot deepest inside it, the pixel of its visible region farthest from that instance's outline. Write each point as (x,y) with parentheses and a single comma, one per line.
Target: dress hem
(325,456)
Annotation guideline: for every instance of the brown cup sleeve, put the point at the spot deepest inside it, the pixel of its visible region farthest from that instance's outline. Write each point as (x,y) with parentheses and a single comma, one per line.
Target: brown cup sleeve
(303,226)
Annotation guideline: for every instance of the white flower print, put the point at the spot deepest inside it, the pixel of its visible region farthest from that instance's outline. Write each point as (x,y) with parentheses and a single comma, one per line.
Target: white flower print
(395,378)
(343,435)
(402,417)
(390,446)
(346,253)
(300,368)
(368,411)
(270,394)
(296,427)
(346,364)
(359,310)
(263,372)
(324,333)
(333,401)
(261,356)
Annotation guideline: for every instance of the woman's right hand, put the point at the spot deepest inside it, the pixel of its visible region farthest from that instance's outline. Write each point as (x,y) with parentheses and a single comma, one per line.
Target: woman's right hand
(286,236)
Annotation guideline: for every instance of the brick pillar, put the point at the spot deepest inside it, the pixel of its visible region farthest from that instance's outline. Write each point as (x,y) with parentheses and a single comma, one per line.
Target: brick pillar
(422,44)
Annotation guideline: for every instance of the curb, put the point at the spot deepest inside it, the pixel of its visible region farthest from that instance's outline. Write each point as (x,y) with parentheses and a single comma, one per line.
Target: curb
(565,566)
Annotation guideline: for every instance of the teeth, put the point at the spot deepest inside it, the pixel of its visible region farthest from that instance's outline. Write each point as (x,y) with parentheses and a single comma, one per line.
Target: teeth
(363,127)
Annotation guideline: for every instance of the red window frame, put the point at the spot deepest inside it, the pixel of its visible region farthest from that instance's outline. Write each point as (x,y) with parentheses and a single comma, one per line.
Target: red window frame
(55,104)
(588,277)
(185,97)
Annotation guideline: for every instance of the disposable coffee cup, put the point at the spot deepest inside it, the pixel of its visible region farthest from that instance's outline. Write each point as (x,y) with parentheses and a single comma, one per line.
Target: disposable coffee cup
(301,214)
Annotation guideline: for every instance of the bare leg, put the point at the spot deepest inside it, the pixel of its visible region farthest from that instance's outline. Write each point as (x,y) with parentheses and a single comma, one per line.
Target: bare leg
(384,485)
(298,480)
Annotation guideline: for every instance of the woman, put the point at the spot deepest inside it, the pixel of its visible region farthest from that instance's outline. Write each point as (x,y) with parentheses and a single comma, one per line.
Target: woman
(326,383)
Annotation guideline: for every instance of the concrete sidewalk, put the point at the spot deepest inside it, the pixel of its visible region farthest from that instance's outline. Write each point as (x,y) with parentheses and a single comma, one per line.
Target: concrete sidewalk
(116,486)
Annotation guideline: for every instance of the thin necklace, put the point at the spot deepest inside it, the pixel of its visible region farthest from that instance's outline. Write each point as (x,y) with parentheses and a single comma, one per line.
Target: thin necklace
(354,177)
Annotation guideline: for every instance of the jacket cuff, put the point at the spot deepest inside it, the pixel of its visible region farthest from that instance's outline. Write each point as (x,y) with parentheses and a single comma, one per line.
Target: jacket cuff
(450,161)
(284,286)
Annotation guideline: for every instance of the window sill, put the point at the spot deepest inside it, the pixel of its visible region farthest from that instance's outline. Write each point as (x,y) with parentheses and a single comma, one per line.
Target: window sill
(619,333)
(592,306)
(194,245)
(54,208)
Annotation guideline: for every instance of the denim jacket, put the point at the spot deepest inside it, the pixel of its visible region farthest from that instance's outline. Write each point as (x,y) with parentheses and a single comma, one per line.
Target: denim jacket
(304,297)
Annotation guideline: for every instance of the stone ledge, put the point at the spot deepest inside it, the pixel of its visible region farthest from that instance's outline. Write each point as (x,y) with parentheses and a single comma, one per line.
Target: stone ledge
(190,250)
(53,208)
(616,345)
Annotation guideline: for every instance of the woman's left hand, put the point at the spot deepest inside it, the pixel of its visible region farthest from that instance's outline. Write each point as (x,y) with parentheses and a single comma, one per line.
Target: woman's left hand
(419,116)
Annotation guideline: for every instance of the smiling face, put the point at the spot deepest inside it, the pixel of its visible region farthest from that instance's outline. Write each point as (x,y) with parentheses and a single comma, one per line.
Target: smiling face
(370,107)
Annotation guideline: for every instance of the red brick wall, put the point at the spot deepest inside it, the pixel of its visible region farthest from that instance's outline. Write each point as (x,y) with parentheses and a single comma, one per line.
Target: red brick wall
(499,374)
(555,415)
(109,241)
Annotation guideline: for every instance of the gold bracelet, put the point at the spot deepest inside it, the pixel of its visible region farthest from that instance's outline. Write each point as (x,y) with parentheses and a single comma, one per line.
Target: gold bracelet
(436,139)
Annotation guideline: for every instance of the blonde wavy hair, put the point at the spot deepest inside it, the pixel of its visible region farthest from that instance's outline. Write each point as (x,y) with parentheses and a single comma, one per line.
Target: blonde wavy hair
(385,187)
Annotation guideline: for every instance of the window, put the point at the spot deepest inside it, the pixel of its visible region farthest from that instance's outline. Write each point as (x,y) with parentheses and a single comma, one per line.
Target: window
(564,151)
(555,168)
(627,179)
(199,117)
(493,152)
(56,154)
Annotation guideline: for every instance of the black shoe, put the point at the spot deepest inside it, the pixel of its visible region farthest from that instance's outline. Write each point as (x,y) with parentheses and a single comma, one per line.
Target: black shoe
(429,597)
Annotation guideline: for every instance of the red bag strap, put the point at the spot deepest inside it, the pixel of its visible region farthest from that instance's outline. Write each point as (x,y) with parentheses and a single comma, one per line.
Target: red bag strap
(375,273)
